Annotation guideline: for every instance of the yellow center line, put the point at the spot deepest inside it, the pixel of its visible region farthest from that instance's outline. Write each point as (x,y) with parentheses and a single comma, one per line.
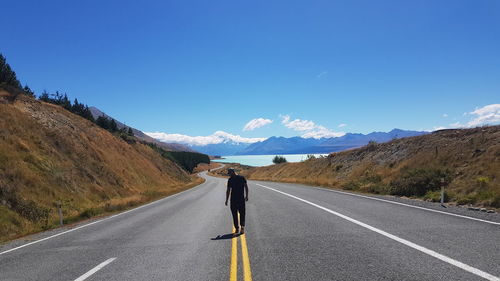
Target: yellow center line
(233,273)
(234,259)
(247,273)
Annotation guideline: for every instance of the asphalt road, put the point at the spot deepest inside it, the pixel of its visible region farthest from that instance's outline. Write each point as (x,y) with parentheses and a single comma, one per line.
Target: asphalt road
(293,232)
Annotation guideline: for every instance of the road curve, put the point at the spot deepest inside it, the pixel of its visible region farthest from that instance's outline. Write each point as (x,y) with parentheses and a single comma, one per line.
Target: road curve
(293,232)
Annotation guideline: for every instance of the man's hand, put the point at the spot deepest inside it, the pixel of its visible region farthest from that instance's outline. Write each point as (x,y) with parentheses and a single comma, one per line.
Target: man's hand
(246,198)
(226,203)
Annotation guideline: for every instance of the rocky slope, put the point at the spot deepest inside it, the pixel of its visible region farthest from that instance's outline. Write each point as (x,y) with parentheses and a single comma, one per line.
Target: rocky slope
(49,155)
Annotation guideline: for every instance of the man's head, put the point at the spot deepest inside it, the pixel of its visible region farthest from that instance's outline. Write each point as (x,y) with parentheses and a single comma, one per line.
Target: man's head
(231,172)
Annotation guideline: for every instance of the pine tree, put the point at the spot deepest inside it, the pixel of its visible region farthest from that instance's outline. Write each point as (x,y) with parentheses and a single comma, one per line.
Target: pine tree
(87,114)
(7,75)
(130,132)
(65,102)
(103,122)
(28,91)
(113,127)
(45,96)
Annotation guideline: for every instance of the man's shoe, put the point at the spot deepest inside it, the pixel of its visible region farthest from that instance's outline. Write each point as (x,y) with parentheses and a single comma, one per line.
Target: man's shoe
(242,230)
(236,231)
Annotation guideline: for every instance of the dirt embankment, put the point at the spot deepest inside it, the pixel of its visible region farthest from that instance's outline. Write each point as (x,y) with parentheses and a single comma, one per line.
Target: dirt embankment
(49,155)
(467,160)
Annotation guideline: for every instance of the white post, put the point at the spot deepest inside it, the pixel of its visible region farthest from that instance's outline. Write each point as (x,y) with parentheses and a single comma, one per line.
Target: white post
(59,207)
(442,192)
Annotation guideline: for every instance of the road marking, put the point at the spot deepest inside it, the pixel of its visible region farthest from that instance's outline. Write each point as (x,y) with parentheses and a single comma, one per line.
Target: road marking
(233,274)
(424,250)
(407,205)
(98,221)
(95,269)
(247,273)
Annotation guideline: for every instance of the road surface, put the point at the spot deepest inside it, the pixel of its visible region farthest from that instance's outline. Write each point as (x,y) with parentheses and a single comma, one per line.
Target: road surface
(293,232)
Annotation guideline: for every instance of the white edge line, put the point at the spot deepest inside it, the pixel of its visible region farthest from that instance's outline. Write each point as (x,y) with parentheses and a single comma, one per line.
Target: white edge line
(407,205)
(429,252)
(95,269)
(98,221)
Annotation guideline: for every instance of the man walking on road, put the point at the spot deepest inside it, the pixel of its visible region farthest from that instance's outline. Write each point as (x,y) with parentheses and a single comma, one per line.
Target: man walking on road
(237,187)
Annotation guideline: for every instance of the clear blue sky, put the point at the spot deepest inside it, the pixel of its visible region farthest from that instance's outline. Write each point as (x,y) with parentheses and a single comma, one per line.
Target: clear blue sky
(196,67)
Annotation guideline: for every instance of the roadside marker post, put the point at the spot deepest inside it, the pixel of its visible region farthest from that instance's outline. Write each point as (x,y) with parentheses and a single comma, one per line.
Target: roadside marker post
(442,192)
(59,210)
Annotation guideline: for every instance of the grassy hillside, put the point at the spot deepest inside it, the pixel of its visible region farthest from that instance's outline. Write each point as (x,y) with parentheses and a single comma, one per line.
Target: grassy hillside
(467,159)
(48,154)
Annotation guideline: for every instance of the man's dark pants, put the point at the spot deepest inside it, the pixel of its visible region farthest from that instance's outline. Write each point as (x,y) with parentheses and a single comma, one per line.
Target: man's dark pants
(238,207)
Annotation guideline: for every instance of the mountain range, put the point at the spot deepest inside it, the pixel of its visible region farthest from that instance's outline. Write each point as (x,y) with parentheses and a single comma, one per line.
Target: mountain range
(96,112)
(299,145)
(273,145)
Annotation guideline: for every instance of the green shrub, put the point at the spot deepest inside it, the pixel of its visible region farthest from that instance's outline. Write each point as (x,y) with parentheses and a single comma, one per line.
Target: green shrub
(129,139)
(91,212)
(468,199)
(435,196)
(371,146)
(279,159)
(310,157)
(495,203)
(351,186)
(417,182)
(482,181)
(374,188)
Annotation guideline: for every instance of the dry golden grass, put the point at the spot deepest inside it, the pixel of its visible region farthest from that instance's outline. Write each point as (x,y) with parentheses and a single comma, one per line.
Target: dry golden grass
(470,156)
(48,154)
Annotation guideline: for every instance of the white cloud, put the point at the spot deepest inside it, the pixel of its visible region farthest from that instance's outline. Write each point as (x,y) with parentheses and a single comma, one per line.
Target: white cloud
(285,119)
(342,125)
(322,74)
(486,115)
(215,138)
(297,124)
(309,128)
(256,123)
(322,132)
(445,115)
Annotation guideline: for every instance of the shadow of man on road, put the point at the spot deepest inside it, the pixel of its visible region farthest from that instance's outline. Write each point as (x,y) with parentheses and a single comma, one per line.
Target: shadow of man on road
(225,236)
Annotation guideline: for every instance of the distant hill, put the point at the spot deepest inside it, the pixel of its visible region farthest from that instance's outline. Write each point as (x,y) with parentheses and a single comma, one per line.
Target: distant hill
(298,145)
(351,140)
(139,134)
(49,155)
(282,145)
(466,159)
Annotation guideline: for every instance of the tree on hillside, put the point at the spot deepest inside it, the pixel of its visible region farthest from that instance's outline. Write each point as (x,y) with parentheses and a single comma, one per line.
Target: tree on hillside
(102,122)
(130,132)
(7,75)
(65,102)
(45,96)
(28,91)
(82,110)
(279,159)
(113,127)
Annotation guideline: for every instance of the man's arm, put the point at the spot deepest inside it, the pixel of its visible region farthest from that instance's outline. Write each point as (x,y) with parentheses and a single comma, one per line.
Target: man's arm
(246,191)
(228,191)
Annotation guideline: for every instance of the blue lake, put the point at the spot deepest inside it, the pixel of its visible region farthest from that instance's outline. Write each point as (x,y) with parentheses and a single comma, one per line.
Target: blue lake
(262,160)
